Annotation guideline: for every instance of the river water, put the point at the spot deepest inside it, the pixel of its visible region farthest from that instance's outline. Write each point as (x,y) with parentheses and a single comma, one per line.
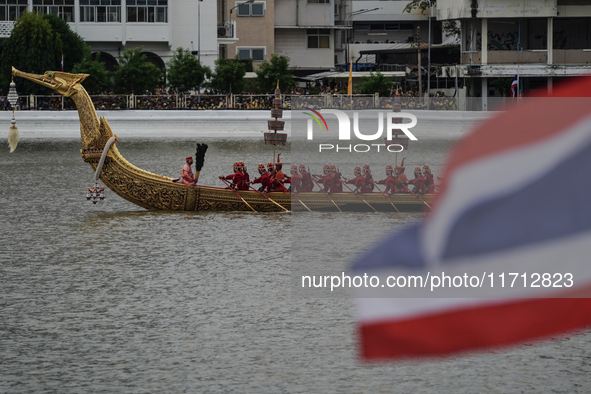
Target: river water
(114,298)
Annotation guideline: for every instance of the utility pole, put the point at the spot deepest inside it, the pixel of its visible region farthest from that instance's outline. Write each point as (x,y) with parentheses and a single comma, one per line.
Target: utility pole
(429,62)
(419,54)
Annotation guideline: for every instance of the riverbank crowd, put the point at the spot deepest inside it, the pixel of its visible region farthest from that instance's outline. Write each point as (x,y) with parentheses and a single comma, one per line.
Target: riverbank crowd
(247,101)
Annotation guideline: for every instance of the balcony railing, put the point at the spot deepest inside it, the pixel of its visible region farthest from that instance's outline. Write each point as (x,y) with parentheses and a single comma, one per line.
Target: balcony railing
(6,28)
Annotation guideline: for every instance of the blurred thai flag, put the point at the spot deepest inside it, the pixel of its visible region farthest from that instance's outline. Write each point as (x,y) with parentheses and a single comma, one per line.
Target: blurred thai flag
(516,198)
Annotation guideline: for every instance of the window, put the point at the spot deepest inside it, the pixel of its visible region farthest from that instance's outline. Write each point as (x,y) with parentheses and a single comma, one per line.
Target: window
(392,26)
(362,26)
(13,11)
(153,11)
(256,54)
(319,1)
(99,10)
(318,38)
(62,8)
(254,9)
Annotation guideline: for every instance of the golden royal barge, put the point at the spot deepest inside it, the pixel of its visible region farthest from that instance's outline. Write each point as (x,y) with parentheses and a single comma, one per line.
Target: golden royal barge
(157,192)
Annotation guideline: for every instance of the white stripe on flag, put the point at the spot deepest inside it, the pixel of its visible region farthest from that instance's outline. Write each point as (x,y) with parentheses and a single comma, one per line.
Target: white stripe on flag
(503,173)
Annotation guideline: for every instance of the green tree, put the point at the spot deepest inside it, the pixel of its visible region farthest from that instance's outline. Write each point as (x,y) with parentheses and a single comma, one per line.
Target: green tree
(277,69)
(99,79)
(74,47)
(228,76)
(184,72)
(134,74)
(376,83)
(32,47)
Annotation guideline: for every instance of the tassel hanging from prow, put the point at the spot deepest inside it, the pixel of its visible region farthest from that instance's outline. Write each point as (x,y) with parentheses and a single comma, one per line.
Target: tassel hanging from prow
(13,131)
(12,137)
(199,159)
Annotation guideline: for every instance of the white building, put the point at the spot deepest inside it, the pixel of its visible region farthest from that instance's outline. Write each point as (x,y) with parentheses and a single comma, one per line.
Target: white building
(112,26)
(384,25)
(545,40)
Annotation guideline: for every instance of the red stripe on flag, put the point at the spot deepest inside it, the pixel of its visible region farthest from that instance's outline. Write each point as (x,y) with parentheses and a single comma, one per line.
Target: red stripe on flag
(535,120)
(473,328)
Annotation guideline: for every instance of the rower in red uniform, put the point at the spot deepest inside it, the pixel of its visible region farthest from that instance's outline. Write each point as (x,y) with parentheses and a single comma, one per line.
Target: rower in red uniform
(307,184)
(278,166)
(337,184)
(367,179)
(264,179)
(270,168)
(390,180)
(402,179)
(242,183)
(187,177)
(296,179)
(326,179)
(237,178)
(429,181)
(358,181)
(418,182)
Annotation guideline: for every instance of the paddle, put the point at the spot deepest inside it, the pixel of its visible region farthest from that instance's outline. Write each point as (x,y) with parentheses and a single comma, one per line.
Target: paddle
(270,199)
(243,200)
(335,204)
(384,194)
(362,199)
(293,195)
(416,195)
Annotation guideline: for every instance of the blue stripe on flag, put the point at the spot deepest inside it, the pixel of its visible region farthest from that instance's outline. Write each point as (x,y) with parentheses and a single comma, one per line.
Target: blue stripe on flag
(557,205)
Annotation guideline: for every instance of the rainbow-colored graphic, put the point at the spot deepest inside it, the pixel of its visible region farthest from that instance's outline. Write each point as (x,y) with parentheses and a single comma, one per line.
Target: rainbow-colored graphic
(316,119)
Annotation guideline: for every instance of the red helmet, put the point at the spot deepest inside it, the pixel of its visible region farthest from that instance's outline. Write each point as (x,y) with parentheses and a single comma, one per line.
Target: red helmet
(366,169)
(236,166)
(389,169)
(293,169)
(426,169)
(357,171)
(189,158)
(241,166)
(333,168)
(326,169)
(302,168)
(270,166)
(418,171)
(261,168)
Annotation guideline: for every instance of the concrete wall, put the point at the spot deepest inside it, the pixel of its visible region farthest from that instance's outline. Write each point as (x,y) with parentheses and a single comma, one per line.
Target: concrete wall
(460,9)
(188,124)
(254,31)
(182,30)
(389,11)
(571,56)
(316,14)
(286,13)
(153,124)
(293,43)
(517,57)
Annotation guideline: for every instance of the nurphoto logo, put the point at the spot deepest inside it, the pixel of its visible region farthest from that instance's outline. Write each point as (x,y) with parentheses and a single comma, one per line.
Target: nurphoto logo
(345,130)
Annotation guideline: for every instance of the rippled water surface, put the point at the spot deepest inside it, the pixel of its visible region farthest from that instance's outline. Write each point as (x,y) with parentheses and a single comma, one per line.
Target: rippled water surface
(114,298)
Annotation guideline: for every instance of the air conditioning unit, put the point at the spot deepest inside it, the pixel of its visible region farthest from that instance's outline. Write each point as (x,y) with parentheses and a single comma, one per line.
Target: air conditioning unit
(228,28)
(222,32)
